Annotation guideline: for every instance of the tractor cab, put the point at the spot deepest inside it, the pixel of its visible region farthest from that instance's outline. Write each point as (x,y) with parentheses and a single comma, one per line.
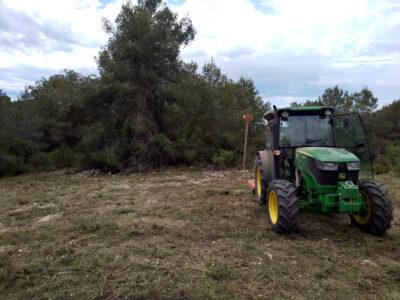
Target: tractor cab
(315,160)
(300,128)
(316,128)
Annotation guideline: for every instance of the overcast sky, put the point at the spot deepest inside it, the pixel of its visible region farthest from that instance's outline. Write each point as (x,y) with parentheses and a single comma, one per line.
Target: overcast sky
(292,49)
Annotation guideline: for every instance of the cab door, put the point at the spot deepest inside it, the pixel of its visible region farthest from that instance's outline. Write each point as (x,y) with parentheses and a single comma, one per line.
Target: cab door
(350,134)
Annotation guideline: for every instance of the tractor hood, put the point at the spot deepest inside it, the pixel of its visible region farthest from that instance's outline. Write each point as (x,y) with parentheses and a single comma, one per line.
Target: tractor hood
(326,154)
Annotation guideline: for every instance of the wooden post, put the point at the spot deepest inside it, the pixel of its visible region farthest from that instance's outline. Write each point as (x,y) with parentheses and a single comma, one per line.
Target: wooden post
(247,118)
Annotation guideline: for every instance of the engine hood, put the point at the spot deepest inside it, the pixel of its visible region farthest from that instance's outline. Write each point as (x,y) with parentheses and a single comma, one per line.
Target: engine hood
(328,154)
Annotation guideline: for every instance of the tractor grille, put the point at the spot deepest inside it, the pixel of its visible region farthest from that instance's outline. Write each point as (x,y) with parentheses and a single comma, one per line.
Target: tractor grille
(332,177)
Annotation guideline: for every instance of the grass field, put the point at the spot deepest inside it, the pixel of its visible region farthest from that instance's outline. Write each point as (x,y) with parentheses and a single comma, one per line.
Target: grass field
(179,234)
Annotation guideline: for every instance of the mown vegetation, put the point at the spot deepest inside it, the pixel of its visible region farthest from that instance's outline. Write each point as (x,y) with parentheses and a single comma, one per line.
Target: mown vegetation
(180,234)
(147,108)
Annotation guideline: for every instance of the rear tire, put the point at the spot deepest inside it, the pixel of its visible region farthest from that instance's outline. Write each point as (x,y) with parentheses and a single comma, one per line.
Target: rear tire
(380,209)
(261,186)
(282,210)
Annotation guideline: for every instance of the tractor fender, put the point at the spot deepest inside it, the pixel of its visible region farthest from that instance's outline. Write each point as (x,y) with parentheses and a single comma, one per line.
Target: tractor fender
(265,160)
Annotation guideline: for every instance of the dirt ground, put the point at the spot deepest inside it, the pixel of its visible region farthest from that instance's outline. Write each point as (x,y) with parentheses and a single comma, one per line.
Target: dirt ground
(181,233)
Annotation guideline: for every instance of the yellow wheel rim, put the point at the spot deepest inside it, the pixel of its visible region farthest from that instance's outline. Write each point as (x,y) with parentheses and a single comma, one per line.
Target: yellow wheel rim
(363,219)
(258,181)
(273,207)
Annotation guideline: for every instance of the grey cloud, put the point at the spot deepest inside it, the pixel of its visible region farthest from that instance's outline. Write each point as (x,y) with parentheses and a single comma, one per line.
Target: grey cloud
(13,79)
(308,75)
(237,52)
(387,42)
(24,73)
(20,31)
(388,39)
(279,73)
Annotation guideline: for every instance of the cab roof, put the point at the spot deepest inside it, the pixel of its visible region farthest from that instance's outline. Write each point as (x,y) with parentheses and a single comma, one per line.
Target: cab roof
(297,109)
(304,108)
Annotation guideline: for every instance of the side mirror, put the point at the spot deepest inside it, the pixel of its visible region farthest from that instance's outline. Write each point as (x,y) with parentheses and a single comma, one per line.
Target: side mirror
(346,123)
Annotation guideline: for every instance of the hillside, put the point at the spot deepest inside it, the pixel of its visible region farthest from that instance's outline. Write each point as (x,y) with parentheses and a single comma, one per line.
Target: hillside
(181,233)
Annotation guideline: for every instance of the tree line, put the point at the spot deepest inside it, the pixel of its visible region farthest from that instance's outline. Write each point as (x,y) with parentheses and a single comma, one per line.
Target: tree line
(147,108)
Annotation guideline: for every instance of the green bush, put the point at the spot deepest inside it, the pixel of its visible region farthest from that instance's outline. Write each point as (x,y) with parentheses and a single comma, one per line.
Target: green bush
(93,138)
(40,161)
(381,169)
(22,148)
(11,165)
(62,158)
(105,160)
(396,170)
(160,151)
(226,158)
(190,155)
(186,151)
(387,158)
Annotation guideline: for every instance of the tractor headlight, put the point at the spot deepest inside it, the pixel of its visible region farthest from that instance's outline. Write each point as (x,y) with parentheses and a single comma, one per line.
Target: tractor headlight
(327,166)
(353,166)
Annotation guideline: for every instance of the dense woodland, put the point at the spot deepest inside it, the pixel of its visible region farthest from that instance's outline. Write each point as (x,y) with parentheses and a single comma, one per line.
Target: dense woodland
(147,108)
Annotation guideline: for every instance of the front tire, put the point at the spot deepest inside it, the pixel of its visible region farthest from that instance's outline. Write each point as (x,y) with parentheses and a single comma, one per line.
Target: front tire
(379,214)
(282,210)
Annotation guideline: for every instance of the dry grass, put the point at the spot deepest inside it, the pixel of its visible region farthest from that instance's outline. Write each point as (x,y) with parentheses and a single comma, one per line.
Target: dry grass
(179,234)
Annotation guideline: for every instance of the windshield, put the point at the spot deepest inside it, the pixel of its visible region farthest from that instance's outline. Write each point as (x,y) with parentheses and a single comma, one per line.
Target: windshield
(310,130)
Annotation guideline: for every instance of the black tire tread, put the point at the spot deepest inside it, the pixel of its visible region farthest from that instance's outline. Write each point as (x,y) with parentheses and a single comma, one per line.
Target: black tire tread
(288,210)
(382,208)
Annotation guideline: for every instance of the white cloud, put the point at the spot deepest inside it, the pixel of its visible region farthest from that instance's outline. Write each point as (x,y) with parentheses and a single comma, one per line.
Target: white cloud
(290,48)
(325,27)
(50,35)
(300,47)
(82,16)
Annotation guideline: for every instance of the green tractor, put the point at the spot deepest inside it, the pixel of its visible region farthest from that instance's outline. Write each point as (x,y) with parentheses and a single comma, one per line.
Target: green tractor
(315,161)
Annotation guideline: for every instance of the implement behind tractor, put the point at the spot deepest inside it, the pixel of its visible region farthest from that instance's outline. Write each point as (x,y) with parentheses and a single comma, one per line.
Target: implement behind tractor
(318,162)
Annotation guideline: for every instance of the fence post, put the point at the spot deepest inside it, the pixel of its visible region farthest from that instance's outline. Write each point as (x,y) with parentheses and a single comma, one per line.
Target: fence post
(247,118)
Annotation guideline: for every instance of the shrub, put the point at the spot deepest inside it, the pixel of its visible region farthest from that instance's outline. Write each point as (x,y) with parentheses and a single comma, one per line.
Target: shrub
(22,148)
(381,169)
(160,151)
(190,155)
(226,158)
(40,161)
(105,160)
(186,151)
(62,158)
(11,165)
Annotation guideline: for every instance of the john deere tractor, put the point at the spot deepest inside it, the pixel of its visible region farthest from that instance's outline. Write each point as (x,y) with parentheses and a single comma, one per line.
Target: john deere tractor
(315,161)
